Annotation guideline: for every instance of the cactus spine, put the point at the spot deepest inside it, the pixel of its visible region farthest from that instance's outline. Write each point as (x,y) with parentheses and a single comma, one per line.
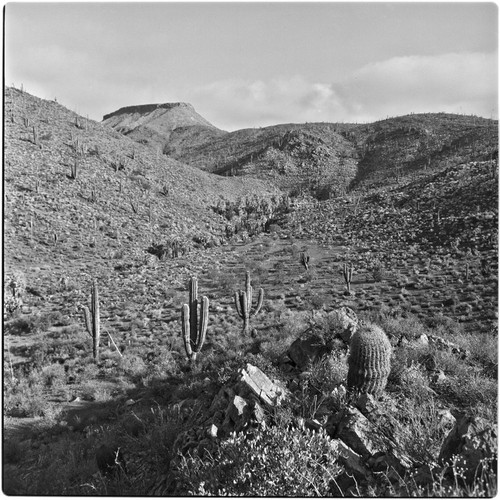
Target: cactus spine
(369,360)
(194,330)
(243,302)
(92,319)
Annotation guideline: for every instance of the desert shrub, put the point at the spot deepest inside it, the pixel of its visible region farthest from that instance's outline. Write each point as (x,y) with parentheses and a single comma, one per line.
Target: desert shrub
(414,383)
(53,375)
(409,327)
(95,391)
(133,366)
(423,428)
(330,372)
(271,462)
(23,395)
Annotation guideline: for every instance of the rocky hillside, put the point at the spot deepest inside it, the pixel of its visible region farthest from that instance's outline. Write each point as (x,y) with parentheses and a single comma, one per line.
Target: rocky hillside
(402,146)
(325,159)
(153,124)
(312,158)
(78,191)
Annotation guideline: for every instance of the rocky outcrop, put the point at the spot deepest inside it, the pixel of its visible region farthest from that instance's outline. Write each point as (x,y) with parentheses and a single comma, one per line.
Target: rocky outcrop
(470,446)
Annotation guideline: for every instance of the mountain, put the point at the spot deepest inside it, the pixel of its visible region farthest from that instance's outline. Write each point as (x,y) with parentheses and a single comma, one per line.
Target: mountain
(326,159)
(153,124)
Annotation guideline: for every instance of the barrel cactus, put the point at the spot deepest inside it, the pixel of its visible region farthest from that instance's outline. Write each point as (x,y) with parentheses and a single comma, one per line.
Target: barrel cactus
(369,360)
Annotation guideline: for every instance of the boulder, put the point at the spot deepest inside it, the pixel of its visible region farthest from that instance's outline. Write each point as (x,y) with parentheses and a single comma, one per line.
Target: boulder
(254,381)
(356,431)
(469,445)
(305,351)
(347,323)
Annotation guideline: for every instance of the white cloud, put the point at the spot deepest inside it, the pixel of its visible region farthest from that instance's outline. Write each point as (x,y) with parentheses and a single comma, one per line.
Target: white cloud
(461,83)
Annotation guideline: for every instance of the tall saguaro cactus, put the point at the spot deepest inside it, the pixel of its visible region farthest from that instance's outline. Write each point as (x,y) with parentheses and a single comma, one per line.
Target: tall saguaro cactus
(243,302)
(347,272)
(92,319)
(194,329)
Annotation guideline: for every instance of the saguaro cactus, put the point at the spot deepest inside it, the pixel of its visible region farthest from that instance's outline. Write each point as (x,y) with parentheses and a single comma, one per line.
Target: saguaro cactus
(304,259)
(243,302)
(194,330)
(347,272)
(369,360)
(92,319)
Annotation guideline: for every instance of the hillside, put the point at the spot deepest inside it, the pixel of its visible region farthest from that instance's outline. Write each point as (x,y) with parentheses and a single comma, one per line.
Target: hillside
(325,159)
(179,327)
(121,199)
(405,145)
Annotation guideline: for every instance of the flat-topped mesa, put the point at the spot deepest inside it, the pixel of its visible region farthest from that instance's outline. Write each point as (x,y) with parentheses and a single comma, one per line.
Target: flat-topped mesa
(148,108)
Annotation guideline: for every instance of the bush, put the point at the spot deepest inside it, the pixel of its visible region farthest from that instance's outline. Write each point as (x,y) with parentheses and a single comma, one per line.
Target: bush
(271,462)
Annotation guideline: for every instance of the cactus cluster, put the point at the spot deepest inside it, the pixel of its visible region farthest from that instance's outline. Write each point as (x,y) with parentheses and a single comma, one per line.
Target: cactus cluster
(243,302)
(194,329)
(369,360)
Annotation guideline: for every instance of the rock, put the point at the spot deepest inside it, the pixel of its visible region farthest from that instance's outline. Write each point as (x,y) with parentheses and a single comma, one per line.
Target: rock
(428,361)
(446,418)
(212,431)
(470,443)
(352,461)
(356,431)
(236,409)
(258,383)
(394,465)
(438,377)
(366,404)
(305,351)
(422,340)
(347,322)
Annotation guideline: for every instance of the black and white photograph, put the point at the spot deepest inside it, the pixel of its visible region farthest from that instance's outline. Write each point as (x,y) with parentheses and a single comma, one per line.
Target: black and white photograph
(250,249)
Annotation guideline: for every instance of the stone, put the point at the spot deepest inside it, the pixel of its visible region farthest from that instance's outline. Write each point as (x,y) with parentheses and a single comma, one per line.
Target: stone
(212,431)
(438,377)
(394,465)
(258,383)
(356,431)
(352,461)
(422,340)
(347,323)
(366,404)
(470,443)
(305,351)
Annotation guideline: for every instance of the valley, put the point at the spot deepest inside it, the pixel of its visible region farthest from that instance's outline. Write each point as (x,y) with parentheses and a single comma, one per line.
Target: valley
(146,200)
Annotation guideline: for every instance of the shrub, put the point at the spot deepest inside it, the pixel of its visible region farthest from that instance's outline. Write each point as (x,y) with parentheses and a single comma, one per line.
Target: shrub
(270,462)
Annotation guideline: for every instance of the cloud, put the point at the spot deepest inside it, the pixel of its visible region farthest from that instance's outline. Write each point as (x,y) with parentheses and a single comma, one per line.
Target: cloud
(460,83)
(241,103)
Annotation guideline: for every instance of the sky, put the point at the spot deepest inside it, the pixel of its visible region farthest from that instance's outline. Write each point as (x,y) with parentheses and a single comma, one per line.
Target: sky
(257,64)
